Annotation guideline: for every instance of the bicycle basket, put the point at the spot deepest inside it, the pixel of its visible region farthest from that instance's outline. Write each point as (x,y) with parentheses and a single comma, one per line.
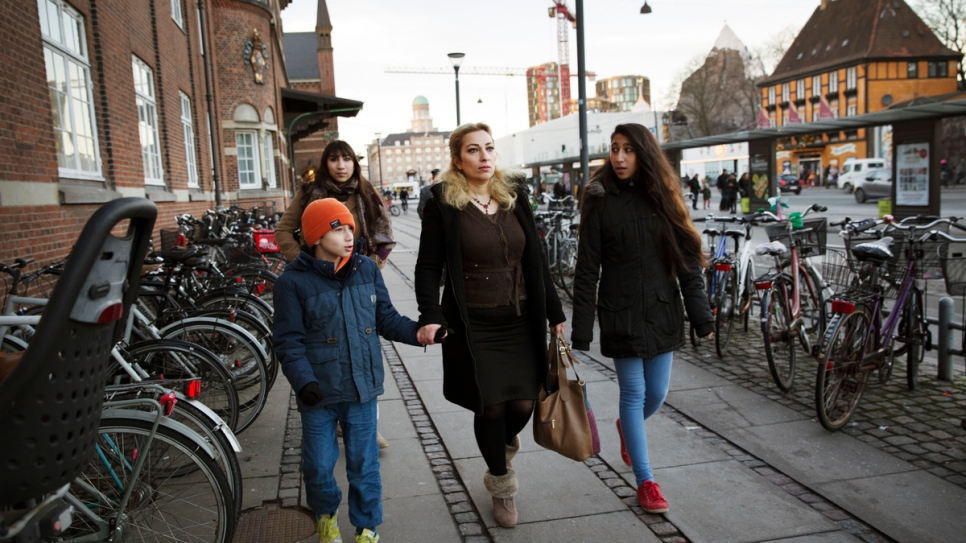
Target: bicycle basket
(837,270)
(811,237)
(952,256)
(265,241)
(172,240)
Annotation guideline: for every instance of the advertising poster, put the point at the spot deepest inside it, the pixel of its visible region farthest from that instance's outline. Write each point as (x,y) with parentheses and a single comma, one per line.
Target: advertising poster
(912,174)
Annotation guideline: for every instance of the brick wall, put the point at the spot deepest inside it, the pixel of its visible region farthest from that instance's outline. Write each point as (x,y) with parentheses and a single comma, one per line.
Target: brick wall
(116,30)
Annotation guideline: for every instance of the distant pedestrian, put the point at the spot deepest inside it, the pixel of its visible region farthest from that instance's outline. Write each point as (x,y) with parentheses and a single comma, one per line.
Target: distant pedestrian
(695,187)
(731,189)
(337,380)
(404,199)
(425,194)
(706,195)
(638,253)
(720,185)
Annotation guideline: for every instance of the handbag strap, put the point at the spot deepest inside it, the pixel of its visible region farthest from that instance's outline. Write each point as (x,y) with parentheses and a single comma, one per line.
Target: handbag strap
(561,357)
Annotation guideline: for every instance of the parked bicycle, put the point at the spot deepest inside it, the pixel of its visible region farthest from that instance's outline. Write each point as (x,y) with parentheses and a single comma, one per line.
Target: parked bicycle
(729,280)
(792,298)
(860,349)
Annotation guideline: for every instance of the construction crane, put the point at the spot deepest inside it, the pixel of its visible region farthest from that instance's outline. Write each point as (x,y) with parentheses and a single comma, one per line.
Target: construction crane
(562,13)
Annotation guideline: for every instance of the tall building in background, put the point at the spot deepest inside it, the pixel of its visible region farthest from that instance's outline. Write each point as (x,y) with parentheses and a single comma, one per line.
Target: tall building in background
(623,90)
(422,122)
(405,158)
(310,68)
(543,93)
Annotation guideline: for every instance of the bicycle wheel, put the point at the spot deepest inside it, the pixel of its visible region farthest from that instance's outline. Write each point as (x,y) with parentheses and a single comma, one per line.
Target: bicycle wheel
(236,299)
(748,296)
(258,282)
(726,310)
(394,209)
(166,504)
(841,380)
(252,325)
(238,352)
(172,363)
(916,331)
(567,265)
(778,338)
(812,308)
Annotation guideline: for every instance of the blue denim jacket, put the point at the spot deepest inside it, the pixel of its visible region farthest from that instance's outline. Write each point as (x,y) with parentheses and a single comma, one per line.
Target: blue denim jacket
(327,330)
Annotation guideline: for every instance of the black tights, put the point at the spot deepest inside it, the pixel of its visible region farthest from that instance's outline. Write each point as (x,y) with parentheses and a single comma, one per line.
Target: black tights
(496,427)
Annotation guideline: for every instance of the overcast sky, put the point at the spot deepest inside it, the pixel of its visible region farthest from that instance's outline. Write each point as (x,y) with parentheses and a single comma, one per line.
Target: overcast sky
(371,35)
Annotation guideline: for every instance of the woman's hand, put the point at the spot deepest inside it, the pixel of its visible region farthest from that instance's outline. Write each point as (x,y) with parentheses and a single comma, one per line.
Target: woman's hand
(558,329)
(426,334)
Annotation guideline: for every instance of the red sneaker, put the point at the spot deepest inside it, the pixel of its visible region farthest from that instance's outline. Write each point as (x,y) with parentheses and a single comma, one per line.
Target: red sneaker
(624,456)
(651,498)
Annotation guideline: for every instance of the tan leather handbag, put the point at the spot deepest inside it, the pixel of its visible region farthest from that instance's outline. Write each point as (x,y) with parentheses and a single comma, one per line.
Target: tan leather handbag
(560,421)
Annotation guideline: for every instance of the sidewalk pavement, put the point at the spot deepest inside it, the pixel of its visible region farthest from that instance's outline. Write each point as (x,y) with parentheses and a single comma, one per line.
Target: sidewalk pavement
(737,462)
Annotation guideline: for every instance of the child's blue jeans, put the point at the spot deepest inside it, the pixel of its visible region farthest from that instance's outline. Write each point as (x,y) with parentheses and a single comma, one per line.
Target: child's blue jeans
(320,451)
(643,388)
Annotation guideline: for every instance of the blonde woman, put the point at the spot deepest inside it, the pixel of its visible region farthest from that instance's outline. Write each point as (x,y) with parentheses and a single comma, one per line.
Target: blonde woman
(497,302)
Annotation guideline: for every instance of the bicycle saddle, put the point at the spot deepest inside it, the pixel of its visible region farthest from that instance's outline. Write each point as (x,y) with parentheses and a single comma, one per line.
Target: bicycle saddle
(736,234)
(878,250)
(710,231)
(774,248)
(176,256)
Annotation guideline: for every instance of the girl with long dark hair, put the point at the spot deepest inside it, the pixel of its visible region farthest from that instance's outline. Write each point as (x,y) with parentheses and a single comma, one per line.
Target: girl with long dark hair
(637,239)
(339,176)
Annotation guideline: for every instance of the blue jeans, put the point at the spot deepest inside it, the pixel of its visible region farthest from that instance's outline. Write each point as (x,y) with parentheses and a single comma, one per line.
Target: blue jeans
(320,451)
(643,386)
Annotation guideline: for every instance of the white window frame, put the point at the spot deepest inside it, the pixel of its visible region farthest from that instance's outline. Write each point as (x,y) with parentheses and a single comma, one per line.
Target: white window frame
(250,177)
(147,109)
(816,85)
(786,92)
(833,82)
(851,78)
(800,89)
(188,130)
(201,30)
(268,158)
(65,51)
(771,96)
(177,14)
(851,110)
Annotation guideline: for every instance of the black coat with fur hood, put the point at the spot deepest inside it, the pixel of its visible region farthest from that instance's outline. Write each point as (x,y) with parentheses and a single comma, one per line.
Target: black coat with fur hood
(638,302)
(439,247)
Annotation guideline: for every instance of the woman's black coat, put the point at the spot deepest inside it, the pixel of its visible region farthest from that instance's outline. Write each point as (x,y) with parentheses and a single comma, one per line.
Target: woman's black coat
(439,246)
(638,302)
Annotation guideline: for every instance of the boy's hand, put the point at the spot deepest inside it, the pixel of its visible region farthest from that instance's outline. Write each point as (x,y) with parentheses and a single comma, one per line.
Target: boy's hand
(311,394)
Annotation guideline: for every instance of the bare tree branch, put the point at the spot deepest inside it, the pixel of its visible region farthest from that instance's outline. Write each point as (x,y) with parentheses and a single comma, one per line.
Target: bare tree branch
(947,18)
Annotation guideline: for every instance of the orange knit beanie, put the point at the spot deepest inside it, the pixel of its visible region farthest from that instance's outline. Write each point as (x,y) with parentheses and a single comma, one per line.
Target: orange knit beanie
(323,215)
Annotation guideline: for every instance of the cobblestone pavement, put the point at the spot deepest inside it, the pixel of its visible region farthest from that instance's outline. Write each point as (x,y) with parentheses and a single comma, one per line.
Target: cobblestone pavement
(922,426)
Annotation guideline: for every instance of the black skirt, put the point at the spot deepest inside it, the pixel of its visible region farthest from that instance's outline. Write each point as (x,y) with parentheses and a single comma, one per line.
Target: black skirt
(503,349)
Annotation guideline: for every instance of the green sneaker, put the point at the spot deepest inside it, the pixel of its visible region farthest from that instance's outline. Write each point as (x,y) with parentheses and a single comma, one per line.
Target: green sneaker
(328,528)
(367,536)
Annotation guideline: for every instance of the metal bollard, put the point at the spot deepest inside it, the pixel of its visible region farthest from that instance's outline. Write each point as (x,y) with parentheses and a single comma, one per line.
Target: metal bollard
(946,312)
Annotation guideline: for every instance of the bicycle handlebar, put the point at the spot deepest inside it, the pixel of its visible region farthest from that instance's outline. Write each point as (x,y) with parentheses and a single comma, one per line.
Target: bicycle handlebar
(900,226)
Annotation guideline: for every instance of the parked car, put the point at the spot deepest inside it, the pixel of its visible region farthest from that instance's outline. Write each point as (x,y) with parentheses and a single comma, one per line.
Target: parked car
(789,183)
(874,184)
(855,170)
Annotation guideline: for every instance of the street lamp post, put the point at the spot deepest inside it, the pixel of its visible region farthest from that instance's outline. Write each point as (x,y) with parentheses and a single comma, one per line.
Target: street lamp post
(382,181)
(457,59)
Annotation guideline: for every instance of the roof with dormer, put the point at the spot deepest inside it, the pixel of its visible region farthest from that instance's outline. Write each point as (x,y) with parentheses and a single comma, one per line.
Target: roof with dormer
(841,33)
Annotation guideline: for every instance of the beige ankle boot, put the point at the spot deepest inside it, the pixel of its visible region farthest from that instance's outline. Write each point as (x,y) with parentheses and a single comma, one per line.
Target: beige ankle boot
(503,488)
(512,450)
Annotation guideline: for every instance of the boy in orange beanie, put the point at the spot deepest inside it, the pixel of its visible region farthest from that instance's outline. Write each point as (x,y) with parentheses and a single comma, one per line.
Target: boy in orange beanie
(331,306)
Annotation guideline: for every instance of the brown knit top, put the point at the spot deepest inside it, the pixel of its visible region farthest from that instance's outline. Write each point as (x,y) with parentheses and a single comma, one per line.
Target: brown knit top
(491,247)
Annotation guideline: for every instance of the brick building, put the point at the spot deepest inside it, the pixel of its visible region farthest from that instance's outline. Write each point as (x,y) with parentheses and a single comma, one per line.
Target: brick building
(543,93)
(853,57)
(406,158)
(165,99)
(623,90)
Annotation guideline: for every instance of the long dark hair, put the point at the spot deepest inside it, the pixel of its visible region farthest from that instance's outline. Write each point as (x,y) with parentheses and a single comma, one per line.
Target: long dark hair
(342,149)
(677,239)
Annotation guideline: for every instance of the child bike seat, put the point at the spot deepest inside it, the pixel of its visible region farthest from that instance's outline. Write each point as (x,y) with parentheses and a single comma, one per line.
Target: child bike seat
(879,250)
